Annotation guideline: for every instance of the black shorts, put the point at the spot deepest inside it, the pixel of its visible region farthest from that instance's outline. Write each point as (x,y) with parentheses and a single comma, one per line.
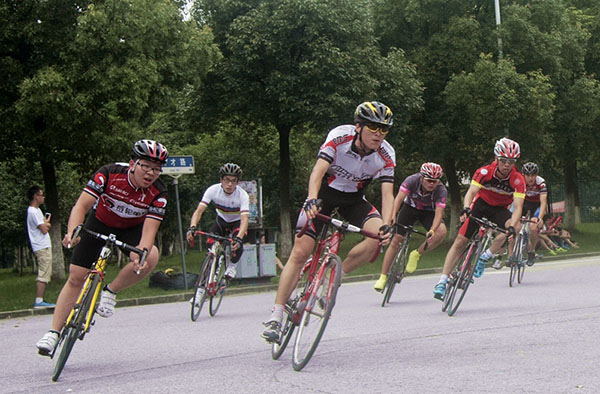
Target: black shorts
(480,208)
(223,228)
(87,250)
(530,206)
(353,207)
(408,216)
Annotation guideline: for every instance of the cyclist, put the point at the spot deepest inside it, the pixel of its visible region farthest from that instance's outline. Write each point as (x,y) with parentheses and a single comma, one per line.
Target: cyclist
(421,196)
(349,159)
(536,202)
(128,201)
(232,206)
(493,188)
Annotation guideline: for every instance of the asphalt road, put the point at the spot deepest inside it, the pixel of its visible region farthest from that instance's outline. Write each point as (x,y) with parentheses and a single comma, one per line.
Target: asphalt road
(539,337)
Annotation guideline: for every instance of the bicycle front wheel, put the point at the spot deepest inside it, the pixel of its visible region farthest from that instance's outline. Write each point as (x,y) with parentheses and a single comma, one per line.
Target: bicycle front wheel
(74,329)
(317,312)
(462,281)
(396,273)
(200,292)
(287,330)
(220,286)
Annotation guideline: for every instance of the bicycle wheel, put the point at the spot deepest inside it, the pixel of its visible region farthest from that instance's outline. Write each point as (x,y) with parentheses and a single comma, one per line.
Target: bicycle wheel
(396,273)
(515,260)
(317,312)
(73,330)
(521,272)
(450,285)
(463,280)
(220,286)
(513,273)
(291,318)
(201,284)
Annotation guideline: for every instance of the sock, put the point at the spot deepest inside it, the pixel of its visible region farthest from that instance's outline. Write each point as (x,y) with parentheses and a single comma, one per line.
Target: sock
(487,255)
(109,290)
(55,332)
(342,275)
(383,276)
(276,313)
(443,278)
(38,300)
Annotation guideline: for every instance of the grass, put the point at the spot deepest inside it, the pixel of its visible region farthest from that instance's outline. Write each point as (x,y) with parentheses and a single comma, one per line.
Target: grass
(18,291)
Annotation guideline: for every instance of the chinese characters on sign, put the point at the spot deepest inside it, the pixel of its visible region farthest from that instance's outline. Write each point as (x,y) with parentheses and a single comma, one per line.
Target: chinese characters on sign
(179,165)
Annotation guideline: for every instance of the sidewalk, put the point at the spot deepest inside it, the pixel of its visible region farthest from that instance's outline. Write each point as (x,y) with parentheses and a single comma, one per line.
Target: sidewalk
(248,289)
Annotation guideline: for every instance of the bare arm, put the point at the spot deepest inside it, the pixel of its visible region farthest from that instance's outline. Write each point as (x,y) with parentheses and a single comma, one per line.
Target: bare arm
(387,201)
(84,203)
(398,204)
(314,184)
(517,211)
(437,219)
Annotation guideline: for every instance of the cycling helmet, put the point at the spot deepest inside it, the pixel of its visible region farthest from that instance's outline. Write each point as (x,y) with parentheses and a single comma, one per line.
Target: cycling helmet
(431,171)
(149,150)
(231,169)
(530,168)
(507,148)
(374,112)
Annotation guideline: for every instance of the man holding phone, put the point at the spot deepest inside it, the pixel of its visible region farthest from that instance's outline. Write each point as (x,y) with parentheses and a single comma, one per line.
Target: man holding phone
(38,226)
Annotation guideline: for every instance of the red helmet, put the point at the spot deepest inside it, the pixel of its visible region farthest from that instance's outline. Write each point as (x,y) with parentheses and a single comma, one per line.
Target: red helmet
(149,150)
(431,170)
(507,148)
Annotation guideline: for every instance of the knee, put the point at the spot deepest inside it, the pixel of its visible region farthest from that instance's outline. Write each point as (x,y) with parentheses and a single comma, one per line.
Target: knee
(75,281)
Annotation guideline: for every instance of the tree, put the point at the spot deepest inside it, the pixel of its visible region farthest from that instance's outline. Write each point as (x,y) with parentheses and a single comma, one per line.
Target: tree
(90,77)
(292,63)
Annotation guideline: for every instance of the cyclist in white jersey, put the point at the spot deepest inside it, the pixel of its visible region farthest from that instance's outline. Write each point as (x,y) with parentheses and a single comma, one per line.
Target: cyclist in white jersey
(351,157)
(231,203)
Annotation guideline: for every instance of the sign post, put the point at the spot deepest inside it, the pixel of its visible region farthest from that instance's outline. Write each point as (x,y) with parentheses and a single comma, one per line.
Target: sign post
(175,167)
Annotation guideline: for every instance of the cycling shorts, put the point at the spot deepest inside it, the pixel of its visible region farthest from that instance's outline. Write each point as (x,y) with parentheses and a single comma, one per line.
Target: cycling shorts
(223,228)
(531,206)
(353,207)
(408,215)
(86,252)
(480,208)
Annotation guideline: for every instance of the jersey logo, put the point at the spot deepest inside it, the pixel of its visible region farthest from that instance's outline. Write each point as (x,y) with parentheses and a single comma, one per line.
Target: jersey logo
(160,202)
(484,171)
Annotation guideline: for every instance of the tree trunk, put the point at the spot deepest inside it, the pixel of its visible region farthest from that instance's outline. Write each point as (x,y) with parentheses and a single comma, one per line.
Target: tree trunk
(284,191)
(454,197)
(51,190)
(571,194)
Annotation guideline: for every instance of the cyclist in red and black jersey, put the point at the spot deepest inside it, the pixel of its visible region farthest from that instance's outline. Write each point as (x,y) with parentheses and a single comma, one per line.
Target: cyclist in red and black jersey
(128,201)
(493,188)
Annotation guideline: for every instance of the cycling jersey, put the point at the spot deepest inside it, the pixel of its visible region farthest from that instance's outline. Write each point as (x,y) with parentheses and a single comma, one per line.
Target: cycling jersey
(348,171)
(229,207)
(498,192)
(119,204)
(533,192)
(416,198)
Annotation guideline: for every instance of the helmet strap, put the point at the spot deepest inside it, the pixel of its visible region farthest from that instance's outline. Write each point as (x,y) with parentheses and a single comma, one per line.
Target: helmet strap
(362,150)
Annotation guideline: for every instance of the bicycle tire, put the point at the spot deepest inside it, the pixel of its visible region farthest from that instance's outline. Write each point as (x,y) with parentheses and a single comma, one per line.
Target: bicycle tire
(513,274)
(464,279)
(221,285)
(515,260)
(396,273)
(291,314)
(520,273)
(305,344)
(200,284)
(70,333)
(450,288)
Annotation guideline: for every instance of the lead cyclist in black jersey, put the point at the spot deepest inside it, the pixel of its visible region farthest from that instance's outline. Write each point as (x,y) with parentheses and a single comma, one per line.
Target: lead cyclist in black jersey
(351,157)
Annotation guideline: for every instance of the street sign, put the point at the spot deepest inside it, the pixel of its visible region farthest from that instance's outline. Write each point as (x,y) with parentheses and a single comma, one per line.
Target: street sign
(179,165)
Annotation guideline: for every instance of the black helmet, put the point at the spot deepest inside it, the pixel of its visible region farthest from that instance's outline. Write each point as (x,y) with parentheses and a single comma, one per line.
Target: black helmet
(374,112)
(530,168)
(149,150)
(230,169)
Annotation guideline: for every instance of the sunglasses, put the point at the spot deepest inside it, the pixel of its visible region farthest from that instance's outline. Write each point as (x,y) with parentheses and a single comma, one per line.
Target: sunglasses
(507,161)
(374,128)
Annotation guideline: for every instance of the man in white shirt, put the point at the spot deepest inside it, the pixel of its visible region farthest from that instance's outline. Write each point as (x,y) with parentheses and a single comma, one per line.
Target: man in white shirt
(38,226)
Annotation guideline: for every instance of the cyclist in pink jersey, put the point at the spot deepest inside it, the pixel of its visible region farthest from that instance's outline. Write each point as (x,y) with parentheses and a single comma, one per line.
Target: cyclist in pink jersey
(351,157)
(128,201)
(421,196)
(493,188)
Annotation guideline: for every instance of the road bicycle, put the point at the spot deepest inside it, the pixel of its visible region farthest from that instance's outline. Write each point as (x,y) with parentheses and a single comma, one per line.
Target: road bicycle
(398,267)
(211,282)
(81,318)
(520,254)
(462,276)
(309,309)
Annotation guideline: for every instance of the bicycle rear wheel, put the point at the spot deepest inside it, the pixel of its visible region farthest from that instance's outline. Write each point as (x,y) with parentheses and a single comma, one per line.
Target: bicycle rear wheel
(396,273)
(221,284)
(73,330)
(515,260)
(462,281)
(199,298)
(521,272)
(317,312)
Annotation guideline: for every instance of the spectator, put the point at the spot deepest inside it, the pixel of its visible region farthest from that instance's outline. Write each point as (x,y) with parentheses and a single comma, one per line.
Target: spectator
(38,226)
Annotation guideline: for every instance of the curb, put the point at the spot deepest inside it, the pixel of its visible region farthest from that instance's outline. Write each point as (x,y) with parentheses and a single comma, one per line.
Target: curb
(168,298)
